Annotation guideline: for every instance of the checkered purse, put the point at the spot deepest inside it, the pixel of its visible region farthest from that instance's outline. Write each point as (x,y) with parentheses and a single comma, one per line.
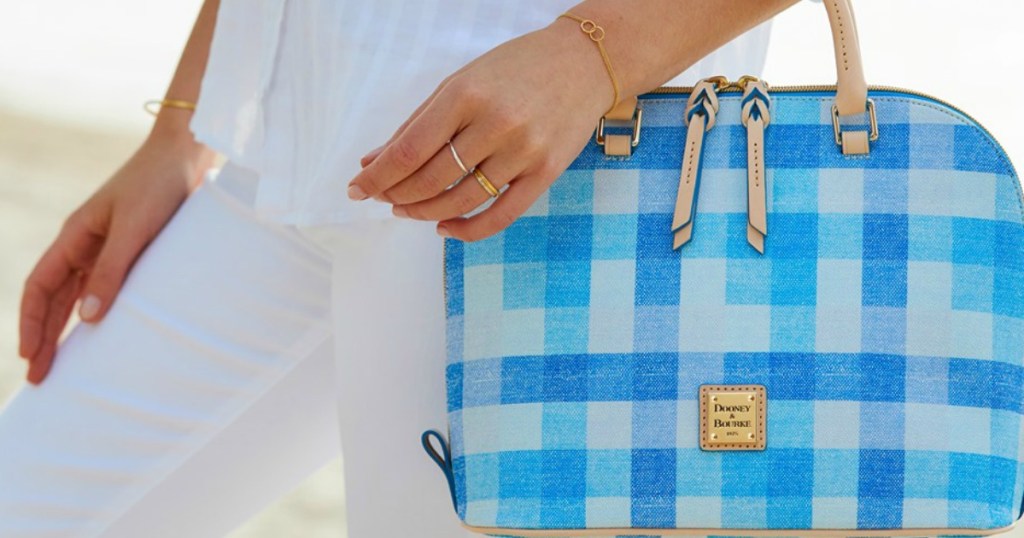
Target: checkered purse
(784,311)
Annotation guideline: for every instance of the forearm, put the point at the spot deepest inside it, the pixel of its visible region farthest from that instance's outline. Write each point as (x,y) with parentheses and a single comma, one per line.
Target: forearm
(651,41)
(172,124)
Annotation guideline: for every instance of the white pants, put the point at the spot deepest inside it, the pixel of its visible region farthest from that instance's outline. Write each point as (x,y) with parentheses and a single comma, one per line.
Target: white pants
(219,379)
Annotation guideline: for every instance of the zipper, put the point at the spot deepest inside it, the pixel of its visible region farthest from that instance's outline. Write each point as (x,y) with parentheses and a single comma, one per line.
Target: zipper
(807,88)
(444,276)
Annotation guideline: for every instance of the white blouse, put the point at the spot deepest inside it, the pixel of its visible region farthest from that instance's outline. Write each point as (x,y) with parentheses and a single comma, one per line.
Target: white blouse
(299,90)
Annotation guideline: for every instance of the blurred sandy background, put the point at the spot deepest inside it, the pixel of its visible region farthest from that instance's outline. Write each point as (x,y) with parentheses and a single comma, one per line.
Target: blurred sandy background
(73,76)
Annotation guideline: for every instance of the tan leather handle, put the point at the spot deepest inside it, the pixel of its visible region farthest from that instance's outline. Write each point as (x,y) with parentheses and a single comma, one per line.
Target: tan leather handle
(852,88)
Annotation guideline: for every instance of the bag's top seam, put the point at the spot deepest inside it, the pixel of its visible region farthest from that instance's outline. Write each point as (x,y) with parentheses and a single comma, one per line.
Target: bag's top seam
(1008,170)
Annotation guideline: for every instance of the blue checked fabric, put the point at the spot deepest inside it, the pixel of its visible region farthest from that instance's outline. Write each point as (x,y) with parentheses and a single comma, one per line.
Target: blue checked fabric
(886,321)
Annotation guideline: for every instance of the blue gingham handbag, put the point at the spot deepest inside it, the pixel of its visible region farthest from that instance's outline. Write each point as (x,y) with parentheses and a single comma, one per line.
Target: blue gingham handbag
(783,311)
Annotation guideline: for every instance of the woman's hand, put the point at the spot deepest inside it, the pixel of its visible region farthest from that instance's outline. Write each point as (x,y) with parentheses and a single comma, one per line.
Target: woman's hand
(100,241)
(523,112)
(520,113)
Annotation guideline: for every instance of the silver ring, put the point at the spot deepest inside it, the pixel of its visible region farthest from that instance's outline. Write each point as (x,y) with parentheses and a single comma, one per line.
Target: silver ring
(458,160)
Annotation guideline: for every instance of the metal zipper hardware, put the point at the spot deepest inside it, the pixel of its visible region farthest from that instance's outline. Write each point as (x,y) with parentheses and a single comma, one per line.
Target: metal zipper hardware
(756,115)
(701,109)
(809,88)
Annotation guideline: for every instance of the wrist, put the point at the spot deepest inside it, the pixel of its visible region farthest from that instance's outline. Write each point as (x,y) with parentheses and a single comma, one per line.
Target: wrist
(172,135)
(584,65)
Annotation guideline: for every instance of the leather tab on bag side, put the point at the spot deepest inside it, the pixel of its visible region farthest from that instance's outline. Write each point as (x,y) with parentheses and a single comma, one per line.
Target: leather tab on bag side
(618,145)
(856,143)
(623,115)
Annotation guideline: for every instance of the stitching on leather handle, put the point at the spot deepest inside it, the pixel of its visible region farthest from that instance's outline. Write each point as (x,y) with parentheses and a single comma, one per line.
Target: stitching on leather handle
(842,34)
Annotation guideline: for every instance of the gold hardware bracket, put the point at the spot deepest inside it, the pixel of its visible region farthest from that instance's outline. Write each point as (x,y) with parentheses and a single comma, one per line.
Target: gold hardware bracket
(871,114)
(732,417)
(634,121)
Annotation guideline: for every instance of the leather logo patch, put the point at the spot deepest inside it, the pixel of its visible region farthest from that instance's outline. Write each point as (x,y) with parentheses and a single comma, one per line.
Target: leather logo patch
(732,417)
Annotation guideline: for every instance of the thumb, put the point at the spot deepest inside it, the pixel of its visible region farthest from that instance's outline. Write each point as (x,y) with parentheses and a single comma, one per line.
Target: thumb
(104,281)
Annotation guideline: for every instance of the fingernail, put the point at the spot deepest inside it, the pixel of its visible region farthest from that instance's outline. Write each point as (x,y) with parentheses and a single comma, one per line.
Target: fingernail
(400,211)
(356,193)
(90,307)
(443,231)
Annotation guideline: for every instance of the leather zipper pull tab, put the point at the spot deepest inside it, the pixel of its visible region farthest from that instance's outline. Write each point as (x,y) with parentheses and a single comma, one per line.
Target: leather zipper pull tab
(701,109)
(756,116)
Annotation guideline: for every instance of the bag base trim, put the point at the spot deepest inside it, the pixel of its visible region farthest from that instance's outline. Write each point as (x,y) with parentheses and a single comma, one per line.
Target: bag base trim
(693,531)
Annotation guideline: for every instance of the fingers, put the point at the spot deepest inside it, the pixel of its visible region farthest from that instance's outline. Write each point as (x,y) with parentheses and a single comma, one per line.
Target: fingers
(61,305)
(365,160)
(442,170)
(424,136)
(415,114)
(35,302)
(104,281)
(374,153)
(73,250)
(464,197)
(508,207)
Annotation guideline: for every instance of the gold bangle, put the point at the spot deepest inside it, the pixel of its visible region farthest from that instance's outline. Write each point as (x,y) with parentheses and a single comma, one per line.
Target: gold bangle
(596,34)
(154,106)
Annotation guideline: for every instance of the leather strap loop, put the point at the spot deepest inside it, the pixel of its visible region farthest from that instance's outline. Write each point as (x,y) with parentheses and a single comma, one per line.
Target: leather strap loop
(625,114)
(443,459)
(624,111)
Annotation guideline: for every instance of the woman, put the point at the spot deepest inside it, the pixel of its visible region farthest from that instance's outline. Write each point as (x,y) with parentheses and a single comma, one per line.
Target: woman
(230,326)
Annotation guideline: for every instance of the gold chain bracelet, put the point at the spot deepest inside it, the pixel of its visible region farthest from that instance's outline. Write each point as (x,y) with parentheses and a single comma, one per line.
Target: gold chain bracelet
(154,106)
(596,34)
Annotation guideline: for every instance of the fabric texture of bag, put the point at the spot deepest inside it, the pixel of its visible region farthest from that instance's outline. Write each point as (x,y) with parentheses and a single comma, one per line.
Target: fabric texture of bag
(884,323)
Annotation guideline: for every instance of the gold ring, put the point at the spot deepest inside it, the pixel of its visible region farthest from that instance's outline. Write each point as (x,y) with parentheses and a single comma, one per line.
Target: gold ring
(485,183)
